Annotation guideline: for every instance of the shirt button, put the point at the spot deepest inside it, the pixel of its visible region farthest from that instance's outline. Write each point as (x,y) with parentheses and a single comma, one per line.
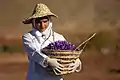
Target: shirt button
(43,36)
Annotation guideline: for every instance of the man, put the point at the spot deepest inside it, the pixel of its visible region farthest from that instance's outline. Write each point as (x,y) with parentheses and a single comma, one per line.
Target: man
(36,39)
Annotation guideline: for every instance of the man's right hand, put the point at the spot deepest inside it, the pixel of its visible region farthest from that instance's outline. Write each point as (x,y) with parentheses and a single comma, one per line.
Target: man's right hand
(54,63)
(57,66)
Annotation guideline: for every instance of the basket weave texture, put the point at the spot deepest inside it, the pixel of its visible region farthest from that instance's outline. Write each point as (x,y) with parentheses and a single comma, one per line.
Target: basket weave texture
(64,57)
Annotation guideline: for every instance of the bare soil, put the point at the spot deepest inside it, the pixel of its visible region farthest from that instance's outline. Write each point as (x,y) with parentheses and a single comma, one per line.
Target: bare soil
(96,66)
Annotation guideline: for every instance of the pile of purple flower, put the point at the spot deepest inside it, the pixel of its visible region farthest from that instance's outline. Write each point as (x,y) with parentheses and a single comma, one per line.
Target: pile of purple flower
(61,45)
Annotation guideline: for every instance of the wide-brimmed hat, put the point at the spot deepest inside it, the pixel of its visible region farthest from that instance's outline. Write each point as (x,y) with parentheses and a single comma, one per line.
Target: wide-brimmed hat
(40,10)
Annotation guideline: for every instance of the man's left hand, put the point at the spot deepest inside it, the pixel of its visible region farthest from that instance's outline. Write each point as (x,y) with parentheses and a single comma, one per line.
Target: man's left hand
(76,66)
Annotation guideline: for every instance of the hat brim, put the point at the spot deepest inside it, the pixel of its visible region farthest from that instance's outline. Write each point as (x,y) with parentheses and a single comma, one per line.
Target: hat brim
(29,19)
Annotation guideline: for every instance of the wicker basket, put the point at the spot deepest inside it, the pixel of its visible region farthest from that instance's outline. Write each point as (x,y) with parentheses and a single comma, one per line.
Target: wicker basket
(64,57)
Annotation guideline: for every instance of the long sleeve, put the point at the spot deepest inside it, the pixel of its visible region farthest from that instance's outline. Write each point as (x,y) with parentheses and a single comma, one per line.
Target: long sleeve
(32,52)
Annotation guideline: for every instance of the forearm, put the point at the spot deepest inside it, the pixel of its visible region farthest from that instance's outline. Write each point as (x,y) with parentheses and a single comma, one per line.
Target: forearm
(39,58)
(34,53)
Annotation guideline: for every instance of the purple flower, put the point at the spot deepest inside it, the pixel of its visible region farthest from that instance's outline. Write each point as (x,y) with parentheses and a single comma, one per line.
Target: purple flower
(61,45)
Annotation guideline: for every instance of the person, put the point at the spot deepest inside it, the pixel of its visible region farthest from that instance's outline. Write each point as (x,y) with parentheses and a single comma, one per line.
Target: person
(39,37)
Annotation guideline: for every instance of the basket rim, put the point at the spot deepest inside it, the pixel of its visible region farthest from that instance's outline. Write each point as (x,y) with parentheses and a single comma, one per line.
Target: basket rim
(59,50)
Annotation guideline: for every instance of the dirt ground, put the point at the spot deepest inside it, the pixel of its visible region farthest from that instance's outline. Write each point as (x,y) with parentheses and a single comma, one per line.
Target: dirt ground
(96,66)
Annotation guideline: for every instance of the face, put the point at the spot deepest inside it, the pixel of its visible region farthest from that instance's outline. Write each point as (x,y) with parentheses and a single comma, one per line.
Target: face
(41,24)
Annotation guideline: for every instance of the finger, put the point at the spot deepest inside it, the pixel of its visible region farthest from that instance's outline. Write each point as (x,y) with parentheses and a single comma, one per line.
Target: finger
(79,68)
(57,72)
(65,65)
(60,65)
(61,72)
(69,69)
(72,64)
(72,71)
(65,69)
(77,63)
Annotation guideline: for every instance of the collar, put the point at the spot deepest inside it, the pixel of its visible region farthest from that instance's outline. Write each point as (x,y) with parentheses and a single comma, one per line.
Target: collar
(36,32)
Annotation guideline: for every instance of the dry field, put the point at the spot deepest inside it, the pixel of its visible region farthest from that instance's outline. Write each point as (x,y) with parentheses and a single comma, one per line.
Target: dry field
(96,66)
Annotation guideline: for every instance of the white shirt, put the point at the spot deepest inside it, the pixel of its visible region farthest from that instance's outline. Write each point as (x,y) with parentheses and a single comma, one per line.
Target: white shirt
(33,42)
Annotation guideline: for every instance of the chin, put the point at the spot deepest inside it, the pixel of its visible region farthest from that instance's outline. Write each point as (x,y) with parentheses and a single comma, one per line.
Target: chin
(42,30)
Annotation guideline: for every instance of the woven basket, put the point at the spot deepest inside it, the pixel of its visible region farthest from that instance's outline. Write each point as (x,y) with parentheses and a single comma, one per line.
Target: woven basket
(64,57)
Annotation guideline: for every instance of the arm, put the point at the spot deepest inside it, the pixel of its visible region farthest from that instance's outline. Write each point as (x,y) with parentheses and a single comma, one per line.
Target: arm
(32,52)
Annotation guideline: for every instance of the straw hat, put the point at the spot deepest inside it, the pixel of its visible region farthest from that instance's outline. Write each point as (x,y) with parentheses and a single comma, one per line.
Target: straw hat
(40,10)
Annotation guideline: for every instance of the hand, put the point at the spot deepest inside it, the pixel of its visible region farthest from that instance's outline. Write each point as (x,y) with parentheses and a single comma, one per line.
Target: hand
(54,63)
(76,66)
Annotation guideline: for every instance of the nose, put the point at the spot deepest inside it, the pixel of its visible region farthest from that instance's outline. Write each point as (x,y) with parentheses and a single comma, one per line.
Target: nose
(41,24)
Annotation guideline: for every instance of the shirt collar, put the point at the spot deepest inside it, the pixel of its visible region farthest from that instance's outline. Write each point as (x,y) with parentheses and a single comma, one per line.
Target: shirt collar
(37,33)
